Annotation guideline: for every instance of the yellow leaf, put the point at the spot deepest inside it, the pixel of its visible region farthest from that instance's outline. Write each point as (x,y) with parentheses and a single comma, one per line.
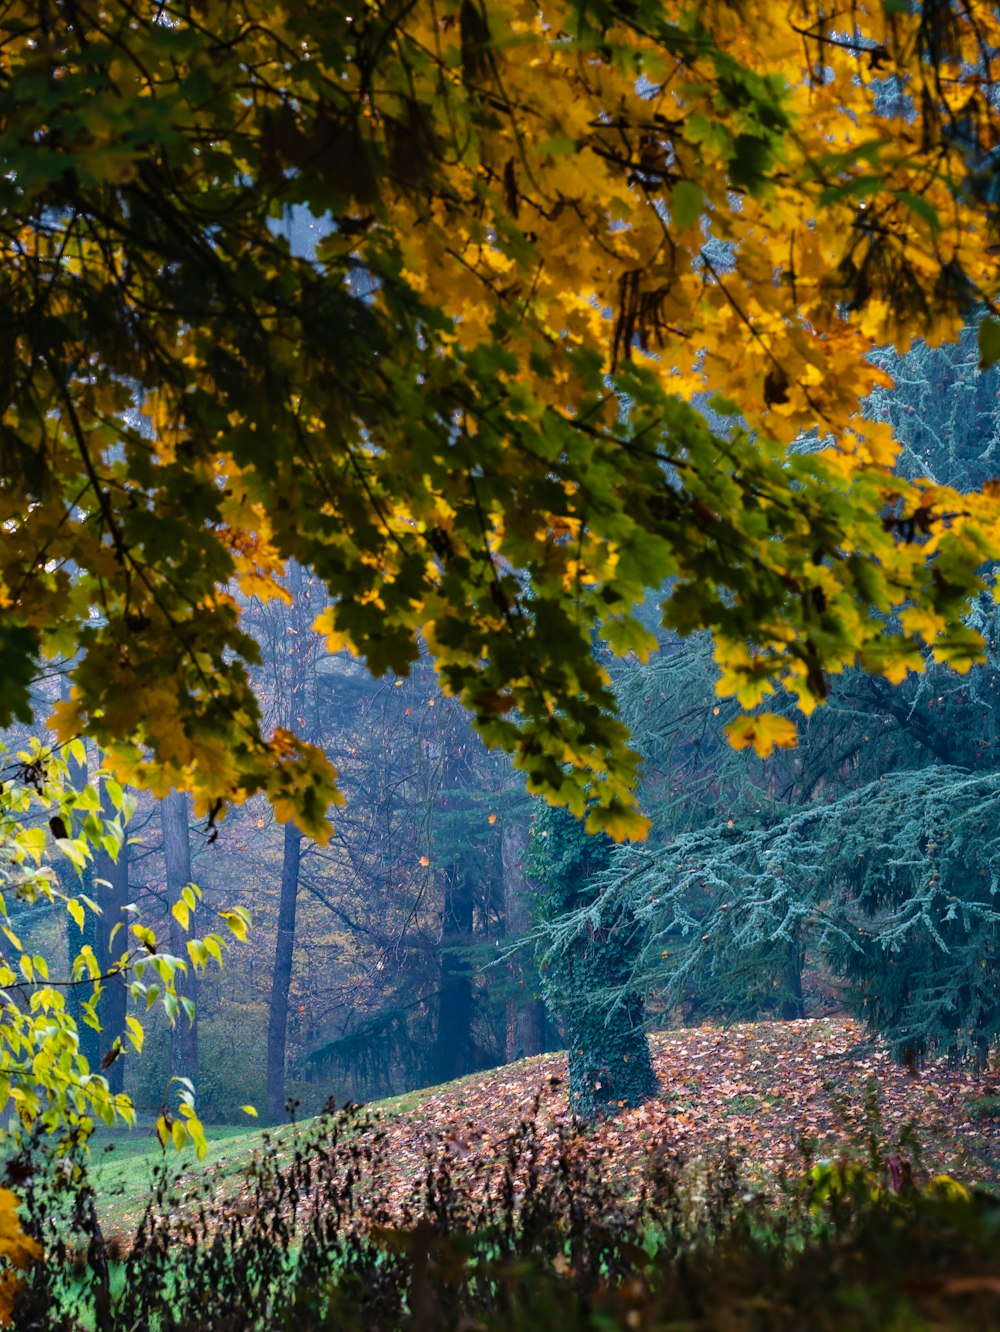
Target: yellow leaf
(764,733)
(238,923)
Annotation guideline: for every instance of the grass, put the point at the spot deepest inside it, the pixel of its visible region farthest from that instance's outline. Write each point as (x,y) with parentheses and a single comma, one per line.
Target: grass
(124,1160)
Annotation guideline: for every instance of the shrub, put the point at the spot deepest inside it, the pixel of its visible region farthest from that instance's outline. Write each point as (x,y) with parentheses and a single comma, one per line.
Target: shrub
(543,1238)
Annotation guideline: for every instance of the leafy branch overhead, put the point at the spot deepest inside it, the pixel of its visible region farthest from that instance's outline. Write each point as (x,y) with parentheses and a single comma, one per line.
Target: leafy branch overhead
(545,232)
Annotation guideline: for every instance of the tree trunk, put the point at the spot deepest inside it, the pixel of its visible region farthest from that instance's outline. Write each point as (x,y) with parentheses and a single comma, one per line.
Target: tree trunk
(277,1022)
(610,1067)
(603,1019)
(609,1062)
(525,1011)
(588,983)
(792,1005)
(112,896)
(175,821)
(454,1051)
(300,719)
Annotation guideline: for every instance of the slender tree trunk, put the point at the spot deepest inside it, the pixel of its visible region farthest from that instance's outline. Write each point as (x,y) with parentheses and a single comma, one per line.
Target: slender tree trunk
(112,896)
(175,821)
(277,1022)
(454,1052)
(300,719)
(525,1012)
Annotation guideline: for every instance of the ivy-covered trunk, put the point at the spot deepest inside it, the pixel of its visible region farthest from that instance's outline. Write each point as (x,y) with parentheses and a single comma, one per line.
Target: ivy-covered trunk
(610,1067)
(586,980)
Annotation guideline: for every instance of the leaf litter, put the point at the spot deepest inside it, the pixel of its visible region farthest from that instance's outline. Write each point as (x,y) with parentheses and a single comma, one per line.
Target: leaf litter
(768,1095)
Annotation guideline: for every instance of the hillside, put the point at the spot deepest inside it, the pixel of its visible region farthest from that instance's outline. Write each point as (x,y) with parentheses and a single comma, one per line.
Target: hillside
(758,1089)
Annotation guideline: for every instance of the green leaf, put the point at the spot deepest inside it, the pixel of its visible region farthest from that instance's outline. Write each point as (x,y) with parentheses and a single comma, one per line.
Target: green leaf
(687,203)
(989,343)
(921,207)
(559,145)
(863,186)
(626,634)
(18,648)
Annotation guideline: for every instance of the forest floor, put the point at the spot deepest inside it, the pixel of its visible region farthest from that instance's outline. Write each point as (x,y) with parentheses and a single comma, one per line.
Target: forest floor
(758,1091)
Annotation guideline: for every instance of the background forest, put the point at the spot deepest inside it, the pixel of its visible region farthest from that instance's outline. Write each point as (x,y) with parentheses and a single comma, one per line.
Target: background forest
(453,923)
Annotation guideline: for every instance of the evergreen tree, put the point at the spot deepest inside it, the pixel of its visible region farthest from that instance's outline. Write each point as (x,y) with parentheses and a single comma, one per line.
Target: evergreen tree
(870,843)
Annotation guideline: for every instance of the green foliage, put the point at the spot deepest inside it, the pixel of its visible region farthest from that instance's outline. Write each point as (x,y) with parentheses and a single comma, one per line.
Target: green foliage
(870,846)
(46,1082)
(895,884)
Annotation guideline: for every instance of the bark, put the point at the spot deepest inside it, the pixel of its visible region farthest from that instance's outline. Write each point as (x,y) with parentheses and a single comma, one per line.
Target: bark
(299,687)
(525,1012)
(610,1067)
(112,896)
(792,1005)
(455,1052)
(589,985)
(175,821)
(277,1023)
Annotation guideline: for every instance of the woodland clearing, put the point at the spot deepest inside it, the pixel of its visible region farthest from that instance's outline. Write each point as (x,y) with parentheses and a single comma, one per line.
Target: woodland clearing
(771,1094)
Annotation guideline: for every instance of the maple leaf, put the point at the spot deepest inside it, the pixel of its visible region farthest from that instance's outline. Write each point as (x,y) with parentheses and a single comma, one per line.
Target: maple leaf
(764,732)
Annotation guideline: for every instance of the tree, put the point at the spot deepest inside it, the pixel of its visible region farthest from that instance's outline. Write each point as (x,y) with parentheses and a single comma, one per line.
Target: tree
(407,904)
(587,971)
(873,845)
(297,692)
(443,441)
(524,1010)
(895,883)
(46,1080)
(111,871)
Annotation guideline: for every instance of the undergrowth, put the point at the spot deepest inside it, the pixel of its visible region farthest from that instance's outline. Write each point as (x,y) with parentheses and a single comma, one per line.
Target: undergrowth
(546,1236)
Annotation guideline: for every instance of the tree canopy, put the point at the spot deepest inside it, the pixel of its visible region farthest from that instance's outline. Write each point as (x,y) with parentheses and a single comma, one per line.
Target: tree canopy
(545,232)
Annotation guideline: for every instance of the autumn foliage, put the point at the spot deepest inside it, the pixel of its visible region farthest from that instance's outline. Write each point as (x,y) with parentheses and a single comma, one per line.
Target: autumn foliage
(545,233)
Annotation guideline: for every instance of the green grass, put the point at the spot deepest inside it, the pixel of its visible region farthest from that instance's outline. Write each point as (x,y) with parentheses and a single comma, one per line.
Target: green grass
(124,1160)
